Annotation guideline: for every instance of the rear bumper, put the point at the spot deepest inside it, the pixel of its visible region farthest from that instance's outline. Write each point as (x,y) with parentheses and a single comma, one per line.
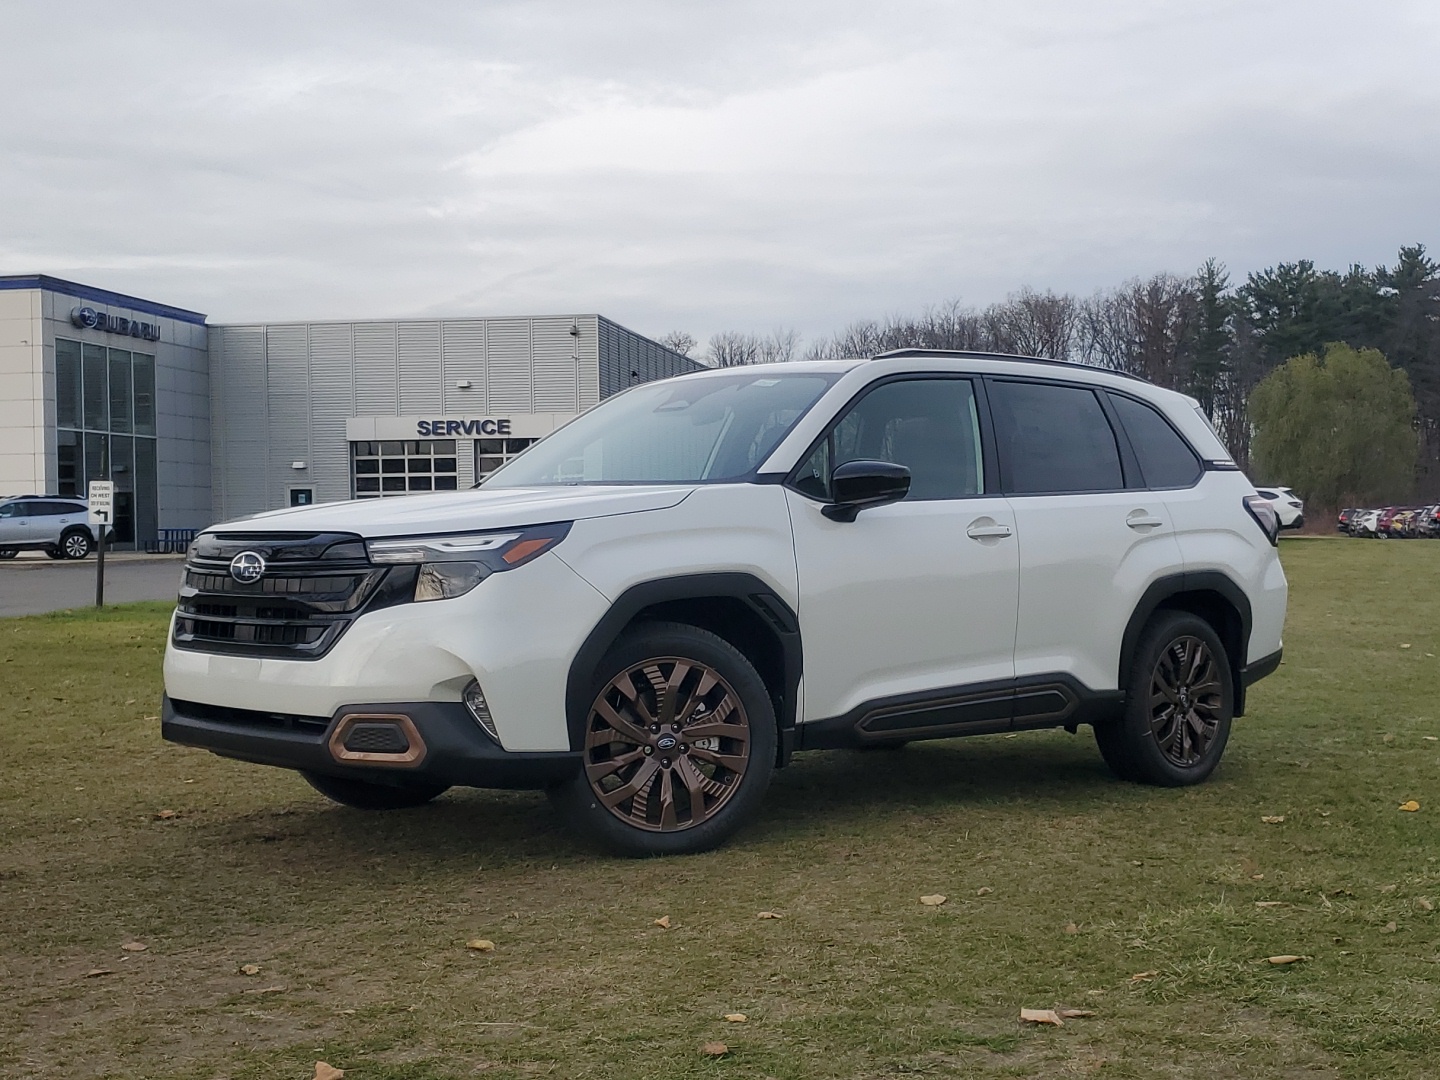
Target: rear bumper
(452,749)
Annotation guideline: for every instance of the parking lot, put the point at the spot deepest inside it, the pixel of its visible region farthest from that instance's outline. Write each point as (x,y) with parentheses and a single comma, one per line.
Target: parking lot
(32,584)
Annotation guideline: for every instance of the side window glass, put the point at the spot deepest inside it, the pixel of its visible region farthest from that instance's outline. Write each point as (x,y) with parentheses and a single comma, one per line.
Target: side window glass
(931,426)
(1165,458)
(1054,439)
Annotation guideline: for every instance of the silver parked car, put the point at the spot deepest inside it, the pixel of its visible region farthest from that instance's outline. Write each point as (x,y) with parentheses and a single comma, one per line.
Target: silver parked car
(58,525)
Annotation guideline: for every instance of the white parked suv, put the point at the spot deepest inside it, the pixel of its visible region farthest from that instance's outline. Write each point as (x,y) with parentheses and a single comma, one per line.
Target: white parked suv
(652,609)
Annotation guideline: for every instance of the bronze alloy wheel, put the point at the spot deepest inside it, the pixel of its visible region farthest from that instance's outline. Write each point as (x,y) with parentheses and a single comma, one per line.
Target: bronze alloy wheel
(1186,698)
(667,743)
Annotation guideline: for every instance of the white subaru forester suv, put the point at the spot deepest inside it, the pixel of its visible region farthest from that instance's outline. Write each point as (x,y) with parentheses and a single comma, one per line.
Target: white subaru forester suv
(652,609)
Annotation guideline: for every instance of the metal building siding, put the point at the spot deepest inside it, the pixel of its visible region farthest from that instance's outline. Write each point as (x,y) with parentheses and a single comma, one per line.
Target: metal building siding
(588,375)
(240,403)
(508,373)
(287,369)
(377,388)
(422,372)
(332,402)
(462,351)
(623,351)
(555,362)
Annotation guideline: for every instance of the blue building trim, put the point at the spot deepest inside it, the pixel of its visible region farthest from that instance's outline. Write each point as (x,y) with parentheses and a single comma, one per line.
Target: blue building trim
(99,296)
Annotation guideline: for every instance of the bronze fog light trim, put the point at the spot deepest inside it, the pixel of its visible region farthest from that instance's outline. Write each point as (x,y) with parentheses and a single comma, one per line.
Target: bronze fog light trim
(406,760)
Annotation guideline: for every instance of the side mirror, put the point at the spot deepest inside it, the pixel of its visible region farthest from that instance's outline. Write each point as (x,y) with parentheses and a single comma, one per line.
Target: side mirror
(858,485)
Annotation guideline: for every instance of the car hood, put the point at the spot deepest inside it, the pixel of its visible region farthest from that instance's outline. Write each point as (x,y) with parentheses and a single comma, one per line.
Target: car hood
(457,511)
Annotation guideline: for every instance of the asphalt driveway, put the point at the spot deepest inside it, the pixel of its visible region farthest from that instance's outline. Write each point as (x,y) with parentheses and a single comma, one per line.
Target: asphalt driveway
(34,585)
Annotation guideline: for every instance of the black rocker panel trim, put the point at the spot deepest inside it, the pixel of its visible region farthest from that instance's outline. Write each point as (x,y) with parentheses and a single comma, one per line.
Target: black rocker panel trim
(1193,581)
(1035,701)
(772,611)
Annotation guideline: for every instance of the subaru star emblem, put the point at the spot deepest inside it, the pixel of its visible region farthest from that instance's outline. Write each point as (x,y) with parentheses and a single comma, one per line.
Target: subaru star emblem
(247,567)
(666,742)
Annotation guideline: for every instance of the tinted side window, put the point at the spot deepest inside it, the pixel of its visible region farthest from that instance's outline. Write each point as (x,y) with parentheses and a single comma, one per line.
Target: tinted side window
(1166,459)
(1054,438)
(931,426)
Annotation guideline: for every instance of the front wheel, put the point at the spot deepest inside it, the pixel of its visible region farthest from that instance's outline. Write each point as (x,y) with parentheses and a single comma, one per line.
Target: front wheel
(9,553)
(366,795)
(1178,705)
(679,744)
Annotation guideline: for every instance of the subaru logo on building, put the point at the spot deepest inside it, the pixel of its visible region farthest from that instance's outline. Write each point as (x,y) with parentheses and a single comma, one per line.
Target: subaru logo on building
(247,567)
(86,317)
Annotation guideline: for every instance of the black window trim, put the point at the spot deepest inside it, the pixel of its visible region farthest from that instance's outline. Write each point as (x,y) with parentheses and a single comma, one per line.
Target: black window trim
(1201,465)
(990,466)
(1122,442)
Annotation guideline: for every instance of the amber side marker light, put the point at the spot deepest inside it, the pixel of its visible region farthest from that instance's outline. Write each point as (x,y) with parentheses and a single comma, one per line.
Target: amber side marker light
(526,548)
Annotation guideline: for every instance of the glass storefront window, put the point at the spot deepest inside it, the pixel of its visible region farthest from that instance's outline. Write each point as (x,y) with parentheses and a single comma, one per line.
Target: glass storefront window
(490,454)
(97,389)
(67,384)
(144,369)
(68,458)
(119,390)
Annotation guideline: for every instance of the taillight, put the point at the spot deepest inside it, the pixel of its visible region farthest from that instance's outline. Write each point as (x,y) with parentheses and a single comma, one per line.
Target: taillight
(1265,516)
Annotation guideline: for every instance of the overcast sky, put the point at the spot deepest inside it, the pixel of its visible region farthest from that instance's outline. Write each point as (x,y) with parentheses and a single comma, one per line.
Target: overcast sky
(703,166)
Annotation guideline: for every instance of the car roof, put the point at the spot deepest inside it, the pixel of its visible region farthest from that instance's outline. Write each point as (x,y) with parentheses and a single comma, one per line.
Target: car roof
(1001,361)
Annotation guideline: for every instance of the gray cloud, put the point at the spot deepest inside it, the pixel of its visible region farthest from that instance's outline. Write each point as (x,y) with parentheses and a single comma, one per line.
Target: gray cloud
(728,165)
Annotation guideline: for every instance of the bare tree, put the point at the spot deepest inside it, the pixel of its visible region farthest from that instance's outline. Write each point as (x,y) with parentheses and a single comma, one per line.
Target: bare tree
(1145,328)
(678,341)
(777,346)
(1034,324)
(730,348)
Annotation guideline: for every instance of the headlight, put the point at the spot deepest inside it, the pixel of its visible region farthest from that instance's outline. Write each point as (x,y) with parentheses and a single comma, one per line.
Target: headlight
(451,564)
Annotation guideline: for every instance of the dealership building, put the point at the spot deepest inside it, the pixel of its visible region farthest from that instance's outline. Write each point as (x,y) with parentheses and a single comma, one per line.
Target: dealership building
(197,423)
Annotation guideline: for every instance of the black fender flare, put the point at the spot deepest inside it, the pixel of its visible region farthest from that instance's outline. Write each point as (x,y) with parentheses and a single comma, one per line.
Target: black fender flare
(774,613)
(1191,581)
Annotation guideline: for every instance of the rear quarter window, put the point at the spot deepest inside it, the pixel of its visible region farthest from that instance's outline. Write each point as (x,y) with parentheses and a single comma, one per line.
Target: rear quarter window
(1166,460)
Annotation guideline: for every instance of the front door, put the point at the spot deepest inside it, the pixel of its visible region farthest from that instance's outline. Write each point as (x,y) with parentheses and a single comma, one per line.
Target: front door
(911,602)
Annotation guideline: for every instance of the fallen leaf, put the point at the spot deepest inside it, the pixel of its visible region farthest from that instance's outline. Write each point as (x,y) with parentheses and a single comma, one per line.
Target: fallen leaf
(984,890)
(1385,888)
(663,922)
(166,815)
(480,944)
(1404,646)
(95,973)
(736,1018)
(1273,819)
(1284,958)
(1143,976)
(933,900)
(1071,928)
(1041,1016)
(249,969)
(1423,904)
(1389,928)
(769,915)
(1271,903)
(714,1049)
(267,990)
(1387,739)
(1410,806)
(1431,738)
(134,946)
(326,1071)
(1257,877)
(1075,1014)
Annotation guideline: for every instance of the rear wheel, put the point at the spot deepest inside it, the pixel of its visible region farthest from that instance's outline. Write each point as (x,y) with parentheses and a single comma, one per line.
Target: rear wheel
(679,744)
(366,795)
(1178,707)
(9,553)
(76,544)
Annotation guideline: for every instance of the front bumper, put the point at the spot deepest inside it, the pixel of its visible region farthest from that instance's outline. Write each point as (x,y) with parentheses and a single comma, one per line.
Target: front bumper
(452,749)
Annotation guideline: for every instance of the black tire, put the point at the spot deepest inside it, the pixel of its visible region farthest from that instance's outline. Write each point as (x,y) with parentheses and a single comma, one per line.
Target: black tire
(54,552)
(691,681)
(366,795)
(1179,664)
(76,544)
(9,553)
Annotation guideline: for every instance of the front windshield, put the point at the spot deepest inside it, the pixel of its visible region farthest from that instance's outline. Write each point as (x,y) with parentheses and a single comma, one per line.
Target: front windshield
(685,430)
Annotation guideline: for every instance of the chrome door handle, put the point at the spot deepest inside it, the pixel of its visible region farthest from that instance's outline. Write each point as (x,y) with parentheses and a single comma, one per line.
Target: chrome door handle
(978,531)
(1139,519)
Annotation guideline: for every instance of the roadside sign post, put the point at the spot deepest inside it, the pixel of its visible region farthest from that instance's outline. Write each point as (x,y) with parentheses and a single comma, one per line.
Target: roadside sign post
(102,506)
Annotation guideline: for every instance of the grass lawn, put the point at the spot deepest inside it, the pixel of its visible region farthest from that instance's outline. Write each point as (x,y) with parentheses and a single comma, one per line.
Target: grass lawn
(1066,888)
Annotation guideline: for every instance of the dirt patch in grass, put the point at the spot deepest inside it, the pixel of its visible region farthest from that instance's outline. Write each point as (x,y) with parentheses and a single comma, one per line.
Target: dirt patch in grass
(1064,887)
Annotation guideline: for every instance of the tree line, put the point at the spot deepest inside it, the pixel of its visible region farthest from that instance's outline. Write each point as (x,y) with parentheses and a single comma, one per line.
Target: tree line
(1204,335)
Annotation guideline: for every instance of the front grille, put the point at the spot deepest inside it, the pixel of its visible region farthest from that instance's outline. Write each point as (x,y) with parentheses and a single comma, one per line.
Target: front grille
(313,587)
(314,725)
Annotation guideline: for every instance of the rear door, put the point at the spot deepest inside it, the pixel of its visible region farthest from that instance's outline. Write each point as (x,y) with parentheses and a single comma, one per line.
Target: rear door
(1090,542)
(916,597)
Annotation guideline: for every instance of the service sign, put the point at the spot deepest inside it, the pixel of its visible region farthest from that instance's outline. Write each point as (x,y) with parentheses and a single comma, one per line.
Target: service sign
(102,501)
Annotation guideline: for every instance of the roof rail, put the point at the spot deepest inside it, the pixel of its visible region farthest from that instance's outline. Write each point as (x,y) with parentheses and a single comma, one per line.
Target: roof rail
(977,354)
